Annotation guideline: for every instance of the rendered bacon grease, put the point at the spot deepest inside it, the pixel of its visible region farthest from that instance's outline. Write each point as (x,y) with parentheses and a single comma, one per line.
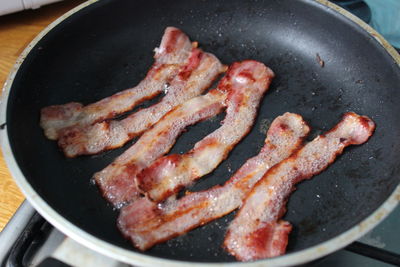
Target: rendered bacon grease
(257,232)
(172,54)
(246,82)
(147,223)
(194,77)
(118,180)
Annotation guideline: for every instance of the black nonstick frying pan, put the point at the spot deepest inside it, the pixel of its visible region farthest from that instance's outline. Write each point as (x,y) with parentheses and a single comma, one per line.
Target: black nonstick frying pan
(106,46)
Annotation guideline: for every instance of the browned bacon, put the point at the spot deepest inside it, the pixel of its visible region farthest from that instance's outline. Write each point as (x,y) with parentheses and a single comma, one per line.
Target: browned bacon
(169,174)
(147,223)
(118,180)
(172,54)
(193,78)
(257,232)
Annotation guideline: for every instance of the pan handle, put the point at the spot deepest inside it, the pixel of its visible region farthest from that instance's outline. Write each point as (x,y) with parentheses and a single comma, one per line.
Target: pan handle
(374,253)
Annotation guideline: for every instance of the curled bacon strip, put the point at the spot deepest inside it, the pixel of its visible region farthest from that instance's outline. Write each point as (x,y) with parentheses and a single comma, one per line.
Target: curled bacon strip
(167,175)
(173,53)
(257,231)
(193,78)
(117,181)
(147,223)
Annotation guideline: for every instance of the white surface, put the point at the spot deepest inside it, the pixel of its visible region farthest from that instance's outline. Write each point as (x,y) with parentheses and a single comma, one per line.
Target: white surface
(11,6)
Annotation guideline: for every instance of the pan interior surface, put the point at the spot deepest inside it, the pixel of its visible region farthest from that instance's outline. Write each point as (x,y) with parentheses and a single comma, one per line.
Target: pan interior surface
(107,47)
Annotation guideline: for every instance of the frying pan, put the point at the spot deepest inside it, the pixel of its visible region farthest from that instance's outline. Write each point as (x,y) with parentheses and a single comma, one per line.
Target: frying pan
(103,47)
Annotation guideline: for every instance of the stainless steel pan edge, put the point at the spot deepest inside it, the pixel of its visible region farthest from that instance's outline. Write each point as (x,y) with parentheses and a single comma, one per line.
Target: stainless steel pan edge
(131,257)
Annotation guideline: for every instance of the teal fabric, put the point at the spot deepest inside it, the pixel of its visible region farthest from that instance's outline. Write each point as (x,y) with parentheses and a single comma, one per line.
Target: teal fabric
(385,18)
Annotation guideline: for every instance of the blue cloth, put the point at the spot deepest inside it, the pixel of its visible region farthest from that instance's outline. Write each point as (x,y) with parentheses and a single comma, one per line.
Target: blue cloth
(385,19)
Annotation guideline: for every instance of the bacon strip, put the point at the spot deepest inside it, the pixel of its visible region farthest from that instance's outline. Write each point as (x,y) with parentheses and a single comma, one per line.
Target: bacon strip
(167,175)
(257,231)
(117,181)
(147,223)
(172,54)
(197,75)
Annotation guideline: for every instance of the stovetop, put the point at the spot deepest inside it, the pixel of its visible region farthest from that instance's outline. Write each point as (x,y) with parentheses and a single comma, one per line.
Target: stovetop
(29,240)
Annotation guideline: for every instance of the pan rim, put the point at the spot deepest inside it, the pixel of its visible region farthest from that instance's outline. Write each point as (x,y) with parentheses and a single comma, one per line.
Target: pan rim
(133,257)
